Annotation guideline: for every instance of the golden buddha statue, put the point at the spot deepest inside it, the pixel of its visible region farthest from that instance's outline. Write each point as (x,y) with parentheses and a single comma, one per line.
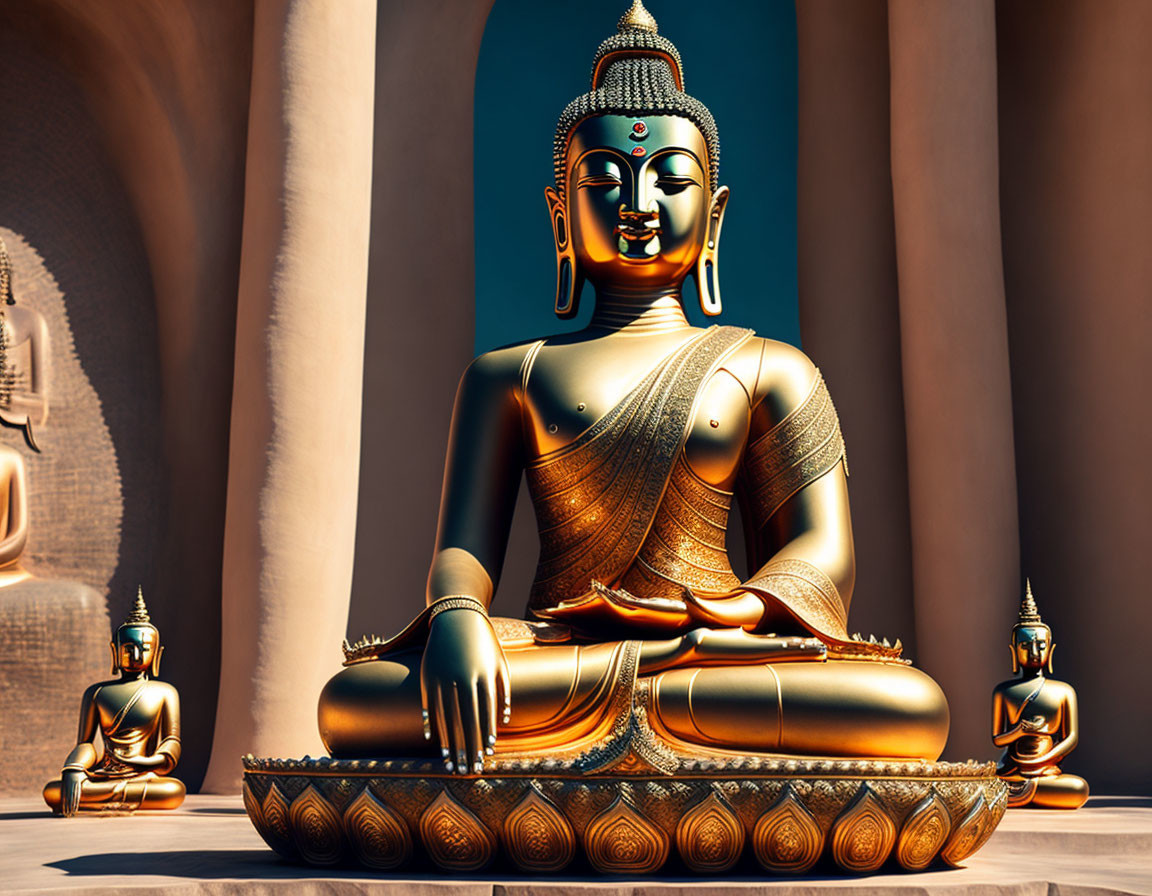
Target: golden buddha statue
(138,720)
(24,358)
(635,434)
(1035,719)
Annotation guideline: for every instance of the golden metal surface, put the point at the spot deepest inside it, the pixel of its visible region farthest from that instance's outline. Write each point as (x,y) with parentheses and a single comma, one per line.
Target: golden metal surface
(785,814)
(137,718)
(1035,719)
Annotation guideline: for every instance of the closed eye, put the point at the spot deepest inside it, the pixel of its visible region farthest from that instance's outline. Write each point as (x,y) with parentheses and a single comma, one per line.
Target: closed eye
(599,180)
(670,183)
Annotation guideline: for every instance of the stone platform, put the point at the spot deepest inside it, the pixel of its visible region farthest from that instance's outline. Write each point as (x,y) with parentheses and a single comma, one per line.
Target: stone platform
(634,806)
(209,847)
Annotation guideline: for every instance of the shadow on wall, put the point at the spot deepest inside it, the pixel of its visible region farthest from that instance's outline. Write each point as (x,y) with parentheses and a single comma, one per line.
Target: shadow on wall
(78,259)
(95,496)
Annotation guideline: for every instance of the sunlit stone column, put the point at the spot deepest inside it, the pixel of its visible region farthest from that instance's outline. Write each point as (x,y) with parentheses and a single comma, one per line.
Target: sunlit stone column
(295,437)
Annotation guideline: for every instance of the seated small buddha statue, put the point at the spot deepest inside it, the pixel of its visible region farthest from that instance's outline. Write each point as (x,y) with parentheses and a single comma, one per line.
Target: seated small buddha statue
(24,358)
(1035,719)
(138,719)
(635,434)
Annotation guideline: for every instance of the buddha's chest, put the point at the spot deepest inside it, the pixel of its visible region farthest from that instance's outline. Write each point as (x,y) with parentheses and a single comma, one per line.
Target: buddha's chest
(122,709)
(571,388)
(1043,710)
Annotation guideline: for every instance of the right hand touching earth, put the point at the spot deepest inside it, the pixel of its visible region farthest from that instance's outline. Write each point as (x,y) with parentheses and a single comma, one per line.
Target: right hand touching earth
(463,678)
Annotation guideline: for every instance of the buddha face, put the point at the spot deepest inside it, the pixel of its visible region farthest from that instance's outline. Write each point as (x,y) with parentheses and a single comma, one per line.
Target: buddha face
(638,198)
(1032,646)
(135,648)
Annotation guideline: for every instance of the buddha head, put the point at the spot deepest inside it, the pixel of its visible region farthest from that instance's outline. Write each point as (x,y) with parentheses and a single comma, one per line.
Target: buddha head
(136,644)
(636,204)
(1032,643)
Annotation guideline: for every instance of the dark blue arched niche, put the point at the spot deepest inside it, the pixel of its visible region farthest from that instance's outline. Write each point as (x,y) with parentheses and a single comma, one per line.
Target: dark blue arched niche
(739,60)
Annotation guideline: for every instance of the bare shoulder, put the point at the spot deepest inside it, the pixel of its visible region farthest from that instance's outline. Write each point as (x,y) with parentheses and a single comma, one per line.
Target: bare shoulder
(164,687)
(785,377)
(496,371)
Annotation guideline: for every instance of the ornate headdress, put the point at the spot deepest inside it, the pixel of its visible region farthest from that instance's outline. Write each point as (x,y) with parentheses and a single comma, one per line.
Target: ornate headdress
(1029,614)
(139,614)
(636,72)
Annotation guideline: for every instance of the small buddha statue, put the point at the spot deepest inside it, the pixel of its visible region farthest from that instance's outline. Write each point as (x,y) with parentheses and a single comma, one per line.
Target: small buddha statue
(636,434)
(24,352)
(1034,719)
(138,720)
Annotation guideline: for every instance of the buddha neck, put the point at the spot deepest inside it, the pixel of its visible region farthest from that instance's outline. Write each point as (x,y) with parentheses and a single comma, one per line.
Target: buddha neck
(639,312)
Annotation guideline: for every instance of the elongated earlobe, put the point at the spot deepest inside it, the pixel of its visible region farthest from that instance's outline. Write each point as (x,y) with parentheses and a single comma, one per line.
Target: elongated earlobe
(156,661)
(1015,664)
(115,659)
(569,279)
(707,271)
(1051,653)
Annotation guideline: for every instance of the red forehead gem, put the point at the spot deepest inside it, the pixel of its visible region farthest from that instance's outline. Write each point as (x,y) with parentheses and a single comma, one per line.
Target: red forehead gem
(639,130)
(638,127)
(638,150)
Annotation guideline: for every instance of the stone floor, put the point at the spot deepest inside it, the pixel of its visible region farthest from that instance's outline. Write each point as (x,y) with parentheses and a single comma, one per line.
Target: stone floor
(208,847)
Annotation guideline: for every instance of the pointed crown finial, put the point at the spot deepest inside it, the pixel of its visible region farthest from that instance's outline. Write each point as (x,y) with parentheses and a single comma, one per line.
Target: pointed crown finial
(1029,614)
(139,614)
(637,18)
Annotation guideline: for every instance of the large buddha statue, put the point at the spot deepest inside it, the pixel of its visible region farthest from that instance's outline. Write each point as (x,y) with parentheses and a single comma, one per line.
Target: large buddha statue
(636,433)
(136,718)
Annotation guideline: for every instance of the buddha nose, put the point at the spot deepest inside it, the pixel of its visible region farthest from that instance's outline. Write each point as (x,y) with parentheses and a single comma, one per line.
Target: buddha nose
(134,652)
(637,218)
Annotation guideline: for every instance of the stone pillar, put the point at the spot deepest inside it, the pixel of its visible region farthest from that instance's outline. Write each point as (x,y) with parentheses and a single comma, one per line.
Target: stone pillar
(295,436)
(421,296)
(849,313)
(954,342)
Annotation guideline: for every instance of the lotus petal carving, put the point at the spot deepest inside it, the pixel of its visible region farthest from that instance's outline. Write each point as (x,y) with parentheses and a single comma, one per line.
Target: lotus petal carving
(863,835)
(787,837)
(379,837)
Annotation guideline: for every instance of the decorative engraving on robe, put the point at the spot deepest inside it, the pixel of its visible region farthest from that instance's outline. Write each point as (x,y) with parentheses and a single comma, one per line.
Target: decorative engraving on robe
(798,450)
(597,498)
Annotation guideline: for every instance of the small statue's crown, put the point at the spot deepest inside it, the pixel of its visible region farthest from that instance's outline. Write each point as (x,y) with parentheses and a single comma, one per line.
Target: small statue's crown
(637,18)
(139,614)
(1029,614)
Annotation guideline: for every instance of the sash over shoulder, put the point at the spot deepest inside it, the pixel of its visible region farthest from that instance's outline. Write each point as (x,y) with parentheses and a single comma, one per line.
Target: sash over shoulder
(597,499)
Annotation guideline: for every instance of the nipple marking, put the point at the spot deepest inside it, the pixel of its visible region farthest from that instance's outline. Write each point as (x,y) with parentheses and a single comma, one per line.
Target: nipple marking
(552,428)
(580,406)
(713,423)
